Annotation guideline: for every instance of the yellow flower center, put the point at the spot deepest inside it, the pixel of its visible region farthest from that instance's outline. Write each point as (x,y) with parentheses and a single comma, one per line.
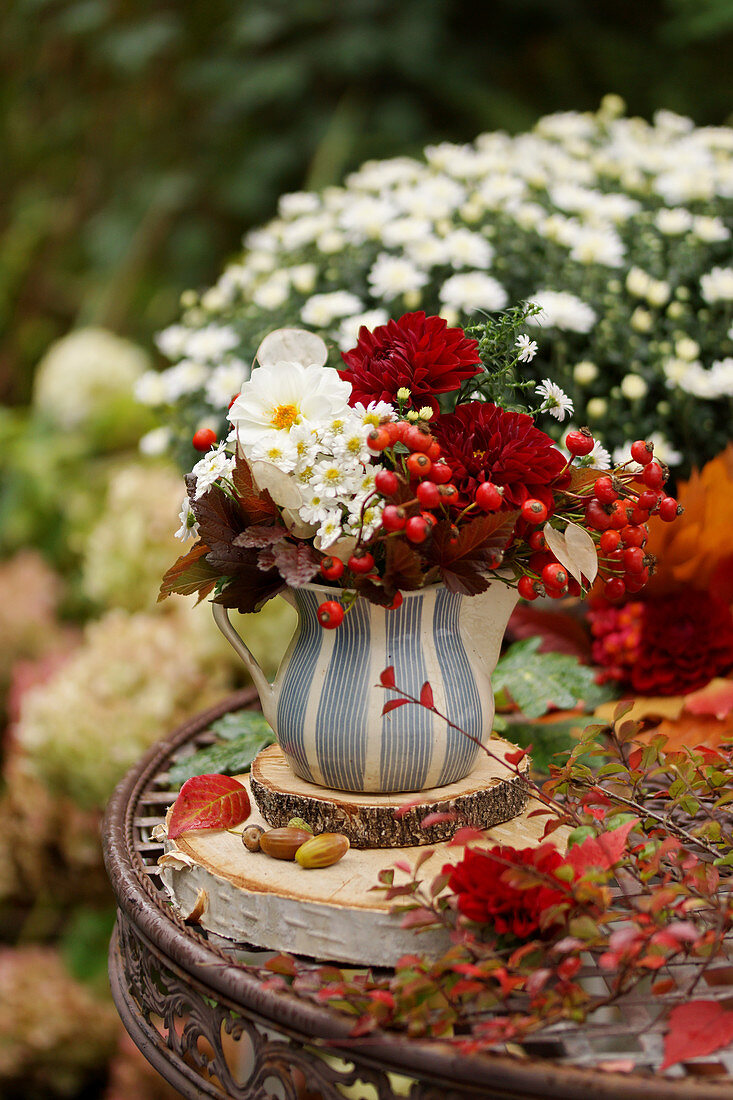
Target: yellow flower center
(284,416)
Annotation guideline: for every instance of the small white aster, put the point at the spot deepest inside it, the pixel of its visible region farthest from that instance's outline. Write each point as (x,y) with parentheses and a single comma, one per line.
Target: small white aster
(189,528)
(217,463)
(556,402)
(527,348)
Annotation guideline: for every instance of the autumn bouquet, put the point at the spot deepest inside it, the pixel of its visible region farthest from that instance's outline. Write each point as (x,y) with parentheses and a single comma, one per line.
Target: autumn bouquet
(418,462)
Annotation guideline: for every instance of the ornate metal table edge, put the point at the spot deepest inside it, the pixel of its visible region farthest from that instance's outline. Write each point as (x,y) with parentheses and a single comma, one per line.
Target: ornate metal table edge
(193,1010)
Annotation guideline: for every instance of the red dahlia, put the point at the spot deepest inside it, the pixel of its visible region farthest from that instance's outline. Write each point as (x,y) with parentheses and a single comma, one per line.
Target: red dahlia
(483,884)
(665,646)
(418,352)
(482,442)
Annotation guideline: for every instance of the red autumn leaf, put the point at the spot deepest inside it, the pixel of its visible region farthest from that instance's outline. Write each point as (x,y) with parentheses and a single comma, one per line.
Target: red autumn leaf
(516,756)
(436,819)
(715,698)
(696,1028)
(465,836)
(386,677)
(393,704)
(208,802)
(405,807)
(426,696)
(601,851)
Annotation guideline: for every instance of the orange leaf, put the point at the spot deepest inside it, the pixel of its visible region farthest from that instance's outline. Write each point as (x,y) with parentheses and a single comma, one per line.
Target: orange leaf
(208,802)
(716,698)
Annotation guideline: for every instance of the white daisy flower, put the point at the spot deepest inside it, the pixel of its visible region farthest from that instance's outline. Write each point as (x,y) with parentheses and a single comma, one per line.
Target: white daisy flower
(333,477)
(282,395)
(277,448)
(393,276)
(216,464)
(527,348)
(330,529)
(189,528)
(373,413)
(556,402)
(599,457)
(473,290)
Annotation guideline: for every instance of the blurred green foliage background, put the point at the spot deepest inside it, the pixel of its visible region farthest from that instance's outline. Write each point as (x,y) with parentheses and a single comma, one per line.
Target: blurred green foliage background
(142,138)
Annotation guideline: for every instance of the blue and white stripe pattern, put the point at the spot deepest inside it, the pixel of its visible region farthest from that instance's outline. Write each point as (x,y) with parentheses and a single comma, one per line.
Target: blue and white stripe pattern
(329,718)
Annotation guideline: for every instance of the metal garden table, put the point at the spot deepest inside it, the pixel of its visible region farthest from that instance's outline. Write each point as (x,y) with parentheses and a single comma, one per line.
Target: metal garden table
(197,1008)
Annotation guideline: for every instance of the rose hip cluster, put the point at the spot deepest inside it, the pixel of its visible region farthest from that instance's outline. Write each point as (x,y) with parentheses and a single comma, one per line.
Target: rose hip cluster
(419,491)
(615,513)
(417,487)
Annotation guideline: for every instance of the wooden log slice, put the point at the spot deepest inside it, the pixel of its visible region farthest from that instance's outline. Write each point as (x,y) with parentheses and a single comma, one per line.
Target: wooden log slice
(329,913)
(491,794)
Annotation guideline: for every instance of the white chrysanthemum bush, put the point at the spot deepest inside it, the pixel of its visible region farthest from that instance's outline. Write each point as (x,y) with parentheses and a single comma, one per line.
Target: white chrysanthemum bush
(620,229)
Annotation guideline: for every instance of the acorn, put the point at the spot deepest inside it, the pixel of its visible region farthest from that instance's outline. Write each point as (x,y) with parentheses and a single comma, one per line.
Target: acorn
(251,837)
(283,843)
(322,850)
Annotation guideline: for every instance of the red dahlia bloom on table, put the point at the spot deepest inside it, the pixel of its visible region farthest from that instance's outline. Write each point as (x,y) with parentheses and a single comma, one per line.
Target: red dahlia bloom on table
(488,890)
(417,352)
(483,442)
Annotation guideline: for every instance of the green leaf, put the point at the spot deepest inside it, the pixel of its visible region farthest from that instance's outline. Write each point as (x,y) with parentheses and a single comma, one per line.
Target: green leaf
(536,681)
(244,735)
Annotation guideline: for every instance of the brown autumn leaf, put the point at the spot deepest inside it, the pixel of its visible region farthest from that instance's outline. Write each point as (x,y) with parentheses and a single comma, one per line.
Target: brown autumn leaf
(191,573)
(257,506)
(467,560)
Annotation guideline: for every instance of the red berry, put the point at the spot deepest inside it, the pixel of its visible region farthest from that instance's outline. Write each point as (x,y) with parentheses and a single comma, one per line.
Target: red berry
(605,491)
(236,395)
(378,439)
(395,429)
(616,557)
(332,568)
(396,602)
(642,452)
(634,535)
(448,494)
(418,464)
(441,473)
(533,511)
(636,581)
(634,559)
(537,541)
(330,614)
(596,517)
(580,442)
(428,494)
(610,541)
(417,529)
(429,519)
(669,509)
(638,517)
(433,451)
(615,589)
(527,588)
(539,560)
(653,476)
(386,482)
(554,576)
(361,561)
(556,593)
(204,439)
(649,499)
(574,588)
(488,497)
(619,515)
(417,439)
(394,517)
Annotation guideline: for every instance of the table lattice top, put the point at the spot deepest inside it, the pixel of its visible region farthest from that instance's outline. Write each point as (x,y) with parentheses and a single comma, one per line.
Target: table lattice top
(564,1061)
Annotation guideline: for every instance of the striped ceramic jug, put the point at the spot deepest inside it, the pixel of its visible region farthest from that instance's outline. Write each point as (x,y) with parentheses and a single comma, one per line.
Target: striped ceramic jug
(325,704)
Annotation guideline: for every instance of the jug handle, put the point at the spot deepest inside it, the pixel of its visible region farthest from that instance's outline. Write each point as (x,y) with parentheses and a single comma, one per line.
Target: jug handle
(265,689)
